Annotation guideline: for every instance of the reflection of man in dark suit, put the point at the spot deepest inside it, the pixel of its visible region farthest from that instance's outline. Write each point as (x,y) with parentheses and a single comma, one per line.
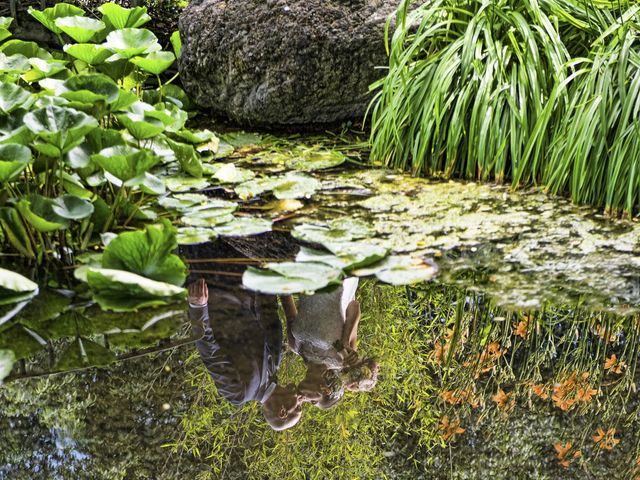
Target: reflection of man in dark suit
(240,343)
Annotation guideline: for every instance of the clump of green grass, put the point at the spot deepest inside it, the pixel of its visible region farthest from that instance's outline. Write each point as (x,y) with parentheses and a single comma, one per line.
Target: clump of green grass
(536,92)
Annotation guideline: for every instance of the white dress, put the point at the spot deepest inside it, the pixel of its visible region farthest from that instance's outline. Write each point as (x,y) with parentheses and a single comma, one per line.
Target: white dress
(318,326)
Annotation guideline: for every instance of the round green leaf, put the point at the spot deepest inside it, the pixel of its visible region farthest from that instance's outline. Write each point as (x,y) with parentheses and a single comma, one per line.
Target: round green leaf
(16,283)
(13,97)
(243,226)
(120,17)
(91,88)
(81,29)
(72,207)
(88,52)
(130,42)
(48,16)
(155,62)
(60,127)
(313,160)
(16,63)
(125,162)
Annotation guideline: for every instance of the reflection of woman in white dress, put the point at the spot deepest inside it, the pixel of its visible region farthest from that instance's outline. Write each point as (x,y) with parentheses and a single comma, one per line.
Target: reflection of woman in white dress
(323,330)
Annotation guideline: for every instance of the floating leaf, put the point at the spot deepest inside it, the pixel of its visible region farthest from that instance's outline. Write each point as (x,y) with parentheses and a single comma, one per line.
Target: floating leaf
(291,277)
(15,287)
(288,186)
(195,235)
(312,160)
(130,42)
(183,201)
(243,226)
(118,17)
(217,212)
(14,159)
(401,270)
(147,252)
(48,16)
(185,184)
(155,62)
(80,28)
(229,173)
(241,139)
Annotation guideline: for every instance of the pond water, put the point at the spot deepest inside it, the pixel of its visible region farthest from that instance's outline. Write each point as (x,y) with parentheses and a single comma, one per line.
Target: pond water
(400,328)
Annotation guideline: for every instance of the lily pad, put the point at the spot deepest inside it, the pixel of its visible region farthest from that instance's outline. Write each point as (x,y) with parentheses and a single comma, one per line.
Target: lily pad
(216,213)
(401,270)
(195,235)
(288,186)
(14,159)
(229,173)
(183,201)
(312,160)
(185,184)
(243,226)
(291,277)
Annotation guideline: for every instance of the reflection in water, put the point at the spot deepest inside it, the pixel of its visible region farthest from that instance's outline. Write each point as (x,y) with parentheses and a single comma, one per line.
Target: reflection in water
(240,341)
(457,386)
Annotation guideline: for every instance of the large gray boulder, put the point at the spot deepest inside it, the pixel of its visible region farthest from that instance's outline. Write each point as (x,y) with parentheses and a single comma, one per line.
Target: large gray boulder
(274,62)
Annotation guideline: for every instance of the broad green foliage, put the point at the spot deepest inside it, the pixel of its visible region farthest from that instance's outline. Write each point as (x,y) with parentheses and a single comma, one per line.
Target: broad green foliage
(147,253)
(543,93)
(88,133)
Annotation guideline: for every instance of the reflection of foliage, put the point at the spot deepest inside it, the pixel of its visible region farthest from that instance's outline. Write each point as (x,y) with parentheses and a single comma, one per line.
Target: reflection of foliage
(555,383)
(97,425)
(367,433)
(509,394)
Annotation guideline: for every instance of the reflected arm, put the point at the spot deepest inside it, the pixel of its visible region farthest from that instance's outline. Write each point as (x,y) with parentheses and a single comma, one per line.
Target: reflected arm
(290,311)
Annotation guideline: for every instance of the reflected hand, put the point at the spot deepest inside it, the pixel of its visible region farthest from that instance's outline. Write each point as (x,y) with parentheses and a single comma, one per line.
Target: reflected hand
(349,357)
(198,293)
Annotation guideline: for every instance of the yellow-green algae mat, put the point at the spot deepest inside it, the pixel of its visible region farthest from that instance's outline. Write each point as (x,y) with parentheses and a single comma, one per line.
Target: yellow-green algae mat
(524,248)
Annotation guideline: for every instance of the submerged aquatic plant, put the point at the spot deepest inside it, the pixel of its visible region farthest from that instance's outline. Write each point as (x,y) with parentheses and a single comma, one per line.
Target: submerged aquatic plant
(541,92)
